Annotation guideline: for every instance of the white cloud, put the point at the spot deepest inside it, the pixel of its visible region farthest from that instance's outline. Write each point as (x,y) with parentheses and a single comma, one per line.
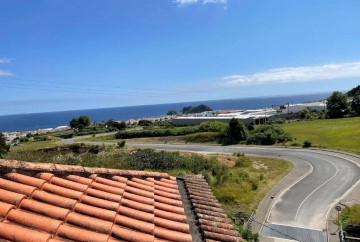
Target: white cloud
(5,60)
(6,73)
(185,2)
(297,74)
(181,3)
(215,1)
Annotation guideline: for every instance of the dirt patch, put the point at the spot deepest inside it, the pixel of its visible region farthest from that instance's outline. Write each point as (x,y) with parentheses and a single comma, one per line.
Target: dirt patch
(259,165)
(225,159)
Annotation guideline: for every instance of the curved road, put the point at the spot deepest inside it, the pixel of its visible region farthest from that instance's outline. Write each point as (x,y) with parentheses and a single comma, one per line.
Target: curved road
(304,204)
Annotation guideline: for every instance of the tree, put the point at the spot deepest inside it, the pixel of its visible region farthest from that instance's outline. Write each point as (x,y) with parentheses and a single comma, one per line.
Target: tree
(80,122)
(355,105)
(235,132)
(354,92)
(171,112)
(4,148)
(84,121)
(74,123)
(117,125)
(145,122)
(337,105)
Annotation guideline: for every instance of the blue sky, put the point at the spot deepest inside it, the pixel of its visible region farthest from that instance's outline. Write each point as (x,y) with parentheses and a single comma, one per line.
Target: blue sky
(66,55)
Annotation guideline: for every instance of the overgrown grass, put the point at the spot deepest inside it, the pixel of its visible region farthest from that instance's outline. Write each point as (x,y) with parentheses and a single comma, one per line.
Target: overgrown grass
(100,138)
(242,187)
(35,145)
(202,137)
(341,134)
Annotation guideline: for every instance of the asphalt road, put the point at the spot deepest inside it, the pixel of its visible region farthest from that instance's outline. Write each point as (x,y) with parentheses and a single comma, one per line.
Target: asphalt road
(306,202)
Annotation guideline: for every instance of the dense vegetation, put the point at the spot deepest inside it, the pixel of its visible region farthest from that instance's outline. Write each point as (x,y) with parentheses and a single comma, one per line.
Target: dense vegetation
(114,126)
(353,92)
(80,122)
(337,105)
(233,133)
(4,148)
(171,131)
(269,134)
(351,215)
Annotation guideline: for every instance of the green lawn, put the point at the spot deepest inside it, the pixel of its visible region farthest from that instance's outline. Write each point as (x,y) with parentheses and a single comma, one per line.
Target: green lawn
(341,134)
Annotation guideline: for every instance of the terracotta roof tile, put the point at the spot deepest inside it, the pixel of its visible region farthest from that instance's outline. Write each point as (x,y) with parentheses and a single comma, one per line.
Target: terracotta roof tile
(77,208)
(18,233)
(214,223)
(11,197)
(46,202)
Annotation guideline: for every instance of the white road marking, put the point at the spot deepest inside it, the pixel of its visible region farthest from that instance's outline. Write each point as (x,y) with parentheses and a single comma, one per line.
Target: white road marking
(337,171)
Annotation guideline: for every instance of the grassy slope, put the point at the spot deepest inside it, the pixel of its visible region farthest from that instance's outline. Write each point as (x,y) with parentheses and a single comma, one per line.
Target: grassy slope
(238,196)
(341,134)
(167,139)
(103,138)
(35,145)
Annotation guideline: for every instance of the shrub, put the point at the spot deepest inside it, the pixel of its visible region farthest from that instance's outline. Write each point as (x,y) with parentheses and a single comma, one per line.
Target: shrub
(307,144)
(261,177)
(242,161)
(121,144)
(268,135)
(171,131)
(351,215)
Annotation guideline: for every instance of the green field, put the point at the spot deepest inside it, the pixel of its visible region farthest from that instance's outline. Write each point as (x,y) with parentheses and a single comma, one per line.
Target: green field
(340,134)
(36,145)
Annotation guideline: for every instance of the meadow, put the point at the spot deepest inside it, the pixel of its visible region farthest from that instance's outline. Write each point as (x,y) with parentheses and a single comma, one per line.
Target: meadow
(339,134)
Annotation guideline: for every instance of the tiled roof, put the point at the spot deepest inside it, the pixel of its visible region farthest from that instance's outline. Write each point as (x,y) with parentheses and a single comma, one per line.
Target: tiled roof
(46,207)
(51,202)
(214,223)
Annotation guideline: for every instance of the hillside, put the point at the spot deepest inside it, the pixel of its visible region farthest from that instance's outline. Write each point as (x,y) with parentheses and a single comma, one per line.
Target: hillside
(341,134)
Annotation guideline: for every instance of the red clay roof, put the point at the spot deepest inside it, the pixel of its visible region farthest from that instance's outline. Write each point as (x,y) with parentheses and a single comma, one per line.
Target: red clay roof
(46,207)
(214,223)
(51,202)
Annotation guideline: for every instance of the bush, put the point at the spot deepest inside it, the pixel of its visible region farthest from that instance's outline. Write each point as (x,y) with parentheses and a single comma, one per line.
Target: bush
(268,135)
(351,215)
(307,144)
(121,144)
(243,161)
(172,131)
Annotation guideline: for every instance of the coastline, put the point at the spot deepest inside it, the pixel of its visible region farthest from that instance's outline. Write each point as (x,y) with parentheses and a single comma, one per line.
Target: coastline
(36,121)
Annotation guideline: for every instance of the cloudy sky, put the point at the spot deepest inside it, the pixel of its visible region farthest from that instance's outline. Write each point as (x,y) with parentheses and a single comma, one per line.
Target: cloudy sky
(65,55)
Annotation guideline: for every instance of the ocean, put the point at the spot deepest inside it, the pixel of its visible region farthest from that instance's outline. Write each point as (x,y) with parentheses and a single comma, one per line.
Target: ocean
(34,121)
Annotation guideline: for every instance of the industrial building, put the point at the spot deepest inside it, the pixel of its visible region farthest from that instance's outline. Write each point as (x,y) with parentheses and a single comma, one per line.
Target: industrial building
(258,116)
(296,108)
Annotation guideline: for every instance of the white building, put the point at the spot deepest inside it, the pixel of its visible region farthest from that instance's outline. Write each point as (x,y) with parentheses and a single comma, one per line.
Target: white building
(258,116)
(296,108)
